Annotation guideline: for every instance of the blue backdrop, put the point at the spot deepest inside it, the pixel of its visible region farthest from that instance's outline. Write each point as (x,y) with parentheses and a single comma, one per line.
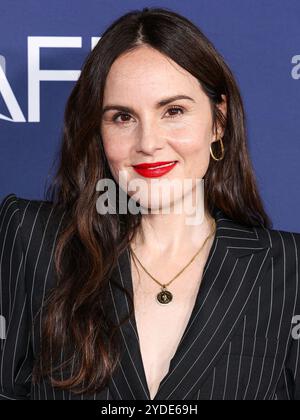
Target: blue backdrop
(259,39)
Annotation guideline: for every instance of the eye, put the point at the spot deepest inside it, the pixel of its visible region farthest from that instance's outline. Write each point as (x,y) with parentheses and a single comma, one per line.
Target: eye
(123,114)
(120,114)
(175,108)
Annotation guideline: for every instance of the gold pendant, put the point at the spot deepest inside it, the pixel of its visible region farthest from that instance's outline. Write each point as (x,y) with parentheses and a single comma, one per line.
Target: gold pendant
(164,296)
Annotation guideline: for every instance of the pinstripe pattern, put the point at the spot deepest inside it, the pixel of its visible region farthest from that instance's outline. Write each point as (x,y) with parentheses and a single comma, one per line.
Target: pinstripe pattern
(237,343)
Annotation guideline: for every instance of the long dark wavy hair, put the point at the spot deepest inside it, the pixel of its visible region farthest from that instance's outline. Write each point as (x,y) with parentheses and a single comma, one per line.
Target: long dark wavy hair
(88,247)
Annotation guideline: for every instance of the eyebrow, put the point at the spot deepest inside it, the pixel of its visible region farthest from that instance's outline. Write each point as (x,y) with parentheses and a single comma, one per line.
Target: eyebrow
(158,105)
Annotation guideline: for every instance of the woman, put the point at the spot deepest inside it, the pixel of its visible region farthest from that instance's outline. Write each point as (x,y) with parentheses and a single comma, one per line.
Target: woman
(150,304)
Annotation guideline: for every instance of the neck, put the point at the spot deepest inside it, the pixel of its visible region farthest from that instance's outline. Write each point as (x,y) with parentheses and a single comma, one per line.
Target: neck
(172,234)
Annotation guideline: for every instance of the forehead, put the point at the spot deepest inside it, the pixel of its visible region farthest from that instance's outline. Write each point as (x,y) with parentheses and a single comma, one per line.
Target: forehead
(146,73)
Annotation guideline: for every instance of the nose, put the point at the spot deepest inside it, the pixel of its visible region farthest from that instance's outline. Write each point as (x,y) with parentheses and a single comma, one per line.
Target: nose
(149,139)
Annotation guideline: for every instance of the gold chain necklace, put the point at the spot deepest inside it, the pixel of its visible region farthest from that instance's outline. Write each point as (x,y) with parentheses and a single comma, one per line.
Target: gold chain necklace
(165,296)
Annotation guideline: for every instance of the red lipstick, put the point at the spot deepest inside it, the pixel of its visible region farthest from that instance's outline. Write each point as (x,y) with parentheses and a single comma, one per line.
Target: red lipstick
(154,170)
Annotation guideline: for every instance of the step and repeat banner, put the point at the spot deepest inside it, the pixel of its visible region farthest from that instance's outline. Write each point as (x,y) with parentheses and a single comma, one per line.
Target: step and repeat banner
(43,45)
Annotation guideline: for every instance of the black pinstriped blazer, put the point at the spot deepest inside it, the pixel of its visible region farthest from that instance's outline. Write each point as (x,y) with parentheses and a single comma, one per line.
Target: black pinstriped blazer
(238,343)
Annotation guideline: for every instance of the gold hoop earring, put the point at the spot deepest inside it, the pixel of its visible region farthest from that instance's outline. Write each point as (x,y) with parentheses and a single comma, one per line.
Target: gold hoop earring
(222,149)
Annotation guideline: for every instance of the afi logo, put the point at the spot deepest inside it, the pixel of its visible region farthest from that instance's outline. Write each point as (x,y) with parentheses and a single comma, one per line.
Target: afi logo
(36,75)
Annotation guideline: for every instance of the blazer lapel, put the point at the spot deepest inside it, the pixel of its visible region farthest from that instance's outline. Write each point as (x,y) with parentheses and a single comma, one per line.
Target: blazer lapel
(128,381)
(235,267)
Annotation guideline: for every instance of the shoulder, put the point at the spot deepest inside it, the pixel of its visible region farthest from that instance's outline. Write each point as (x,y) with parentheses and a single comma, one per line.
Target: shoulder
(30,215)
(284,248)
(285,261)
(28,233)
(283,244)
(27,208)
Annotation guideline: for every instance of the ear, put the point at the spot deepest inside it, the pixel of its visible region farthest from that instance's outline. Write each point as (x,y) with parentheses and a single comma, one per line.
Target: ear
(223,108)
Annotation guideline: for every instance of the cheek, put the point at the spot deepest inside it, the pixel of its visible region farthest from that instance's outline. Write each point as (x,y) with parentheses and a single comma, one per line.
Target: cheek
(195,155)
(116,152)
(191,139)
(192,147)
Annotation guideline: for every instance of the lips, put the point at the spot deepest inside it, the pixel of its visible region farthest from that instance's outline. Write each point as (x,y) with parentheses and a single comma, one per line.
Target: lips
(154,170)
(152,165)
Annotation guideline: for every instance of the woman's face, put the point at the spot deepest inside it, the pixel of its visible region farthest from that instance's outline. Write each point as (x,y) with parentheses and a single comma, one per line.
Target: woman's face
(181,130)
